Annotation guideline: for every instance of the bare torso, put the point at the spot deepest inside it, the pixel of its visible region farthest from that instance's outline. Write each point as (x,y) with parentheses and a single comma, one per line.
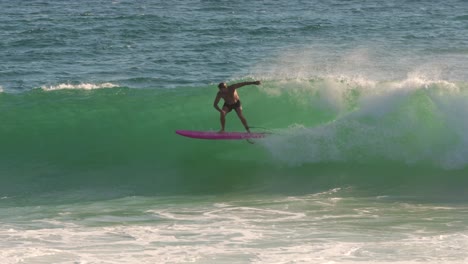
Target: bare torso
(229,95)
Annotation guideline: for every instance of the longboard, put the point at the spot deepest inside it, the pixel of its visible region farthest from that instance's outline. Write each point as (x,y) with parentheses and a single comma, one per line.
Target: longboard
(219,136)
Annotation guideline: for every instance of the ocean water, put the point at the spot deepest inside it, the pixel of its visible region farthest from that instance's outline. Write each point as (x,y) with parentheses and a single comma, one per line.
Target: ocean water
(366,103)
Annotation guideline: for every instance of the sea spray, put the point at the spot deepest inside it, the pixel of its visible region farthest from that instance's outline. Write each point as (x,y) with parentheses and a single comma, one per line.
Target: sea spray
(403,121)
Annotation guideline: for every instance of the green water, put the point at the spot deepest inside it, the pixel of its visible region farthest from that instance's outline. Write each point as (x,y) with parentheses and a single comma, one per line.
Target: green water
(121,138)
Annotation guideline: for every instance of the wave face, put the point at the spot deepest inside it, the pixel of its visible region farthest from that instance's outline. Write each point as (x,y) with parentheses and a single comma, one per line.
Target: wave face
(326,132)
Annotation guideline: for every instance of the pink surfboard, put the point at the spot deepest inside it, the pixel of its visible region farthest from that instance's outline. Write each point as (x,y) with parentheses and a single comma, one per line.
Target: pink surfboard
(217,135)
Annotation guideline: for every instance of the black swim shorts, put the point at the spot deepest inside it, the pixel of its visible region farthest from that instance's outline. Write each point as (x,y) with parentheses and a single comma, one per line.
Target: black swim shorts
(232,106)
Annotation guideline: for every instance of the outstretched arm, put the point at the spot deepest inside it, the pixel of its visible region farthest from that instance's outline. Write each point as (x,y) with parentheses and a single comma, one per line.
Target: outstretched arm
(239,85)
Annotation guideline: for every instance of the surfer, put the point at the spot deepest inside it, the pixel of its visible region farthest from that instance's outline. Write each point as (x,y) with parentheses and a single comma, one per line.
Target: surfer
(231,101)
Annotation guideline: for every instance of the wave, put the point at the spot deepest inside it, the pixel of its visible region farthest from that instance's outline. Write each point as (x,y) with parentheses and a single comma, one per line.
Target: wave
(79,86)
(326,132)
(410,121)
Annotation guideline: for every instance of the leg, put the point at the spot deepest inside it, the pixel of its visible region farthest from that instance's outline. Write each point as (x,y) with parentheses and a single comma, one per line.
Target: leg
(242,118)
(223,118)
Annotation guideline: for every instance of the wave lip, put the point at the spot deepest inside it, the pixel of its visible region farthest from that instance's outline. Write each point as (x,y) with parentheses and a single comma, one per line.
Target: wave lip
(414,121)
(80,86)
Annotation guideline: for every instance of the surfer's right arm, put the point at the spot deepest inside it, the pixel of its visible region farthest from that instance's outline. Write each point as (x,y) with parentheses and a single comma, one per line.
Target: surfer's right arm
(216,101)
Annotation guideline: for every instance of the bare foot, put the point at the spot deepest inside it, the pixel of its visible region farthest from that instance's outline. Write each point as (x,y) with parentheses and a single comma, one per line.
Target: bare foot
(221,131)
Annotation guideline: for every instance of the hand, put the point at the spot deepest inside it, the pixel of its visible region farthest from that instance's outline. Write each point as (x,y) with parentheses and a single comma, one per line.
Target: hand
(257,82)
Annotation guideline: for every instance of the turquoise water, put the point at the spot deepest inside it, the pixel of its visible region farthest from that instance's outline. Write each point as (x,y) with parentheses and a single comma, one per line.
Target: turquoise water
(366,103)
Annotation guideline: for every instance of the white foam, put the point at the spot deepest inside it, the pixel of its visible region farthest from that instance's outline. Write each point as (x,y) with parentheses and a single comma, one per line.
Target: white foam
(81,86)
(303,229)
(378,117)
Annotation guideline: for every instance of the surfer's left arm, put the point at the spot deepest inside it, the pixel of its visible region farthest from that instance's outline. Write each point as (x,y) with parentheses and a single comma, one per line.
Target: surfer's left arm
(239,85)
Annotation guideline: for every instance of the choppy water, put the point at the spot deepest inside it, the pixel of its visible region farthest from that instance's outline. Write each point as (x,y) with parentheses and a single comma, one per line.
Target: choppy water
(366,103)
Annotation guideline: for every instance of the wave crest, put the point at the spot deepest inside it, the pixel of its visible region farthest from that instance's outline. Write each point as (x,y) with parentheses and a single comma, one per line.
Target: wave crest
(80,86)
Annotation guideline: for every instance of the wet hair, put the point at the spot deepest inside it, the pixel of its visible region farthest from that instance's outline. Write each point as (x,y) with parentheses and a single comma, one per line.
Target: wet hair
(221,85)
